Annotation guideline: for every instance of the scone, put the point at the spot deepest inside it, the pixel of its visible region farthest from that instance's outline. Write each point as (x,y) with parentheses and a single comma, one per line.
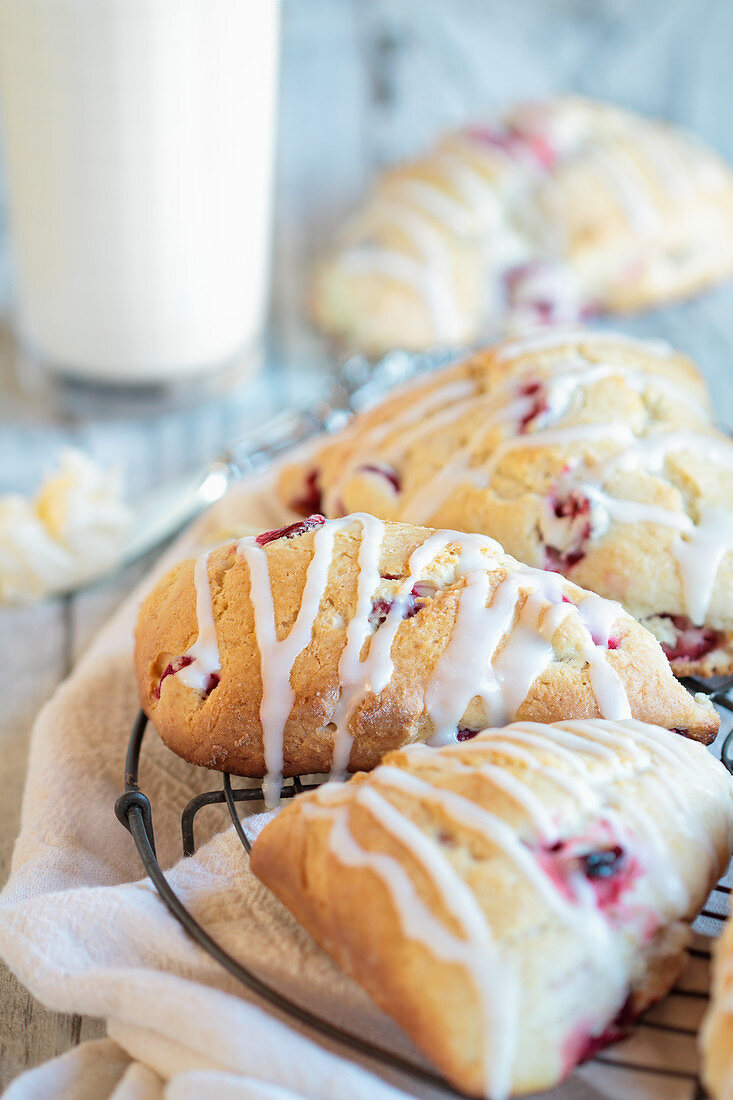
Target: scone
(324,645)
(583,452)
(553,211)
(514,902)
(716,1035)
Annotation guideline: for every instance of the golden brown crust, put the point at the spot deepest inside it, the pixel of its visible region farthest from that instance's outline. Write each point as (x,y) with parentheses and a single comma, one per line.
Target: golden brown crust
(583,452)
(223,729)
(340,862)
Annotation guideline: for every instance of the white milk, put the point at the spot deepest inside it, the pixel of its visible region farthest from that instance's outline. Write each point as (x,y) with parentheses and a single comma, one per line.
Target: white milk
(138,140)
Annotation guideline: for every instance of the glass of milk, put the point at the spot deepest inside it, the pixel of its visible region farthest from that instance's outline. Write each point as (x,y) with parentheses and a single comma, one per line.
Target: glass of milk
(138,148)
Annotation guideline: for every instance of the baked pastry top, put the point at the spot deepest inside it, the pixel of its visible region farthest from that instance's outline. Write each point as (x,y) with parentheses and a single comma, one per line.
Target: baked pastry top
(324,645)
(584,452)
(716,1034)
(553,211)
(513,901)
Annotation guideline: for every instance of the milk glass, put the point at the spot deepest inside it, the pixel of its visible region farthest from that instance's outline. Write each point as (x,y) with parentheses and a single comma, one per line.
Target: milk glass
(137,141)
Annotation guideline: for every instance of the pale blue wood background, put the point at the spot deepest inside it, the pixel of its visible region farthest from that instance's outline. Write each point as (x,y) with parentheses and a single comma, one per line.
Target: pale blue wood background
(363,82)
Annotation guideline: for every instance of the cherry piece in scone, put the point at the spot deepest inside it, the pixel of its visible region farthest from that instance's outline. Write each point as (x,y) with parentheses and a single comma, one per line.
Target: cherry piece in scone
(464,734)
(518,144)
(380,611)
(691,643)
(604,863)
(171,669)
(538,403)
(292,531)
(575,509)
(179,663)
(421,592)
(213,682)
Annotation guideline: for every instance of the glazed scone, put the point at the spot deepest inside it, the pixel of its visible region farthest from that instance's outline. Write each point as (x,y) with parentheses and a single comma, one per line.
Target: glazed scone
(583,452)
(553,211)
(716,1035)
(515,901)
(323,646)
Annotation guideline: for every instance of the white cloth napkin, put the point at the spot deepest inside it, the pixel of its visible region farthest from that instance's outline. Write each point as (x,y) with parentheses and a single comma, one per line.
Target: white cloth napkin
(86,933)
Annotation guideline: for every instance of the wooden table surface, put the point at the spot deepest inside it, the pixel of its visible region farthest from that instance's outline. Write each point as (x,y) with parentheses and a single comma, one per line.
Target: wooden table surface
(363,82)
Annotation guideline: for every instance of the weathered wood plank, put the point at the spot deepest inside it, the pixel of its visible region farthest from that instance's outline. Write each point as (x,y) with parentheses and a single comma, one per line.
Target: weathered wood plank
(30,1034)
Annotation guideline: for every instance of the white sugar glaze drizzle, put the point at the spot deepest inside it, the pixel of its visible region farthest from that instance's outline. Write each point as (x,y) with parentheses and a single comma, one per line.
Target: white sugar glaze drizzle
(351,672)
(519,792)
(475,188)
(430,216)
(627,751)
(568,741)
(373,673)
(650,452)
(700,554)
(599,616)
(560,380)
(505,405)
(564,377)
(436,401)
(464,670)
(435,490)
(502,403)
(585,790)
(676,754)
(497,213)
(571,739)
(631,187)
(467,667)
(559,437)
(440,205)
(278,656)
(582,918)
(534,735)
(673,752)
(433,493)
(499,242)
(569,784)
(528,650)
(494,974)
(699,549)
(682,165)
(205,650)
(437,407)
(673,164)
(357,677)
(430,273)
(412,273)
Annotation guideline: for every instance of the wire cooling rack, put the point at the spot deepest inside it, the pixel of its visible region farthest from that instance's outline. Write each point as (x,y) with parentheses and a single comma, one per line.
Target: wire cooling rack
(134,810)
